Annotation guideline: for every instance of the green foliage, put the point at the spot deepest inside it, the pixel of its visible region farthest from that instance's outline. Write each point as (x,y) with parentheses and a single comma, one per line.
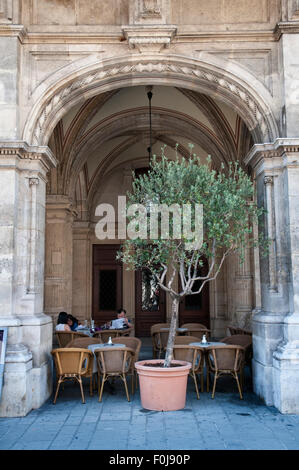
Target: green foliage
(228,213)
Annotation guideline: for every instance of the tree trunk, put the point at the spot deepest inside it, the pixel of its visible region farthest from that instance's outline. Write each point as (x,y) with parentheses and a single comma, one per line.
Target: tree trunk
(172,330)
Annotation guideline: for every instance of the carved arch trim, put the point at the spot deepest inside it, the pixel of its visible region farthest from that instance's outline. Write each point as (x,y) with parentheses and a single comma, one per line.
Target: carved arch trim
(209,77)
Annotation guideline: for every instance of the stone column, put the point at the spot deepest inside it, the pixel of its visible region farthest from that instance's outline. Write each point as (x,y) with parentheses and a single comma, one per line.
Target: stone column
(82,271)
(59,255)
(276,325)
(286,356)
(27,381)
(240,290)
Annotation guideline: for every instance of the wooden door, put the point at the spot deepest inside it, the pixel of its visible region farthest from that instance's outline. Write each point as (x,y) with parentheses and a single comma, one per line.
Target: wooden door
(107,283)
(150,303)
(195,308)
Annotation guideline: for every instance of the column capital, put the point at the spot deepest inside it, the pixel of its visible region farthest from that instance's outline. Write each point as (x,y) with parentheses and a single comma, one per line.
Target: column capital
(33,181)
(268,180)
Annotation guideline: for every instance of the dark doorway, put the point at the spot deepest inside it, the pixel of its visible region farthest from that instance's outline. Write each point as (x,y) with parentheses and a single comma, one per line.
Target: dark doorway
(150,303)
(107,283)
(195,308)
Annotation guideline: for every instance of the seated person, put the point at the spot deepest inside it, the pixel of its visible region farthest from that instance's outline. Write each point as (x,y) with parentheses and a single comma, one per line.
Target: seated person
(72,322)
(62,324)
(124,323)
(121,313)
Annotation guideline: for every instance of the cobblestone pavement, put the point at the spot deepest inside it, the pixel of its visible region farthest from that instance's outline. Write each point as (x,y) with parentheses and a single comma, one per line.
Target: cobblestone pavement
(223,423)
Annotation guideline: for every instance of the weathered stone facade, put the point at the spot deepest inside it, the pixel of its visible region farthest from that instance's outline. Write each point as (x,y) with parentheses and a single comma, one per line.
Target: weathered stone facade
(74,123)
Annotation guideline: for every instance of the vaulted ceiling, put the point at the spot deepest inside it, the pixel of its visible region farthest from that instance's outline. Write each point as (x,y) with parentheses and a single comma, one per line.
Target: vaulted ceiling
(111,132)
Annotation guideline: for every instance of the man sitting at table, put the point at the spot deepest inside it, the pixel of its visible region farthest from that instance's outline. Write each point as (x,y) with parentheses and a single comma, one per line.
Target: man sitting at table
(121,315)
(121,322)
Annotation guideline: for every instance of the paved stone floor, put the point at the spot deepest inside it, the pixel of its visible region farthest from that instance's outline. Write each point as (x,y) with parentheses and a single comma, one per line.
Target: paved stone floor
(225,423)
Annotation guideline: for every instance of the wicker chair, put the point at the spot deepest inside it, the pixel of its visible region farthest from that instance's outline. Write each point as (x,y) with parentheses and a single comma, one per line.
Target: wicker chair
(226,360)
(246,342)
(71,363)
(235,330)
(159,338)
(84,343)
(185,340)
(185,352)
(65,337)
(135,344)
(105,334)
(196,329)
(114,362)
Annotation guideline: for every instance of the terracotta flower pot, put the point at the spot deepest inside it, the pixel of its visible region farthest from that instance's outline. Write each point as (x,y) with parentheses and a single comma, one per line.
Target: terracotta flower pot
(163,389)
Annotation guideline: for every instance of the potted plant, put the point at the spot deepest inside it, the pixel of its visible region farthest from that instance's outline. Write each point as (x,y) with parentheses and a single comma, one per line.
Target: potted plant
(210,215)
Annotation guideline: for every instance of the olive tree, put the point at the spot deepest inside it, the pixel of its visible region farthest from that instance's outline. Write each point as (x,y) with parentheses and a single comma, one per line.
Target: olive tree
(228,213)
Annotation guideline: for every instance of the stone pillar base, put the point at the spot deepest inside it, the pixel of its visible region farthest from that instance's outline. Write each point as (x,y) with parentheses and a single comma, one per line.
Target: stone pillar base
(16,399)
(286,378)
(262,381)
(24,387)
(42,384)
(267,332)
(286,368)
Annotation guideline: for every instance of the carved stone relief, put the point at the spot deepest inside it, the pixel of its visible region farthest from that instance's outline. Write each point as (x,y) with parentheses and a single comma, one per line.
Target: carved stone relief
(257,116)
(150,8)
(149,11)
(6,11)
(293,10)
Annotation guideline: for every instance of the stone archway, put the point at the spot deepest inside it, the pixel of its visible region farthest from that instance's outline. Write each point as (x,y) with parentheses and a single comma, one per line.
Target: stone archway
(211,76)
(228,83)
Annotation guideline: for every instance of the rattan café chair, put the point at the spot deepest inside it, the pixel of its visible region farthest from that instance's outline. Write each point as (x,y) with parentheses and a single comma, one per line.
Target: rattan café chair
(135,344)
(185,352)
(196,329)
(84,343)
(185,340)
(71,364)
(64,337)
(246,342)
(159,338)
(226,360)
(104,335)
(113,362)
(235,330)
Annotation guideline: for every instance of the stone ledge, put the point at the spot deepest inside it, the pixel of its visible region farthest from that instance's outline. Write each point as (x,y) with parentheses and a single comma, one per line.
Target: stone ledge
(22,150)
(286,27)
(275,149)
(151,38)
(13,30)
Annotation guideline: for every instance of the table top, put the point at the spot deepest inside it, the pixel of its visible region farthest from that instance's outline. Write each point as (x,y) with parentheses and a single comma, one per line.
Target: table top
(178,329)
(85,331)
(93,347)
(209,344)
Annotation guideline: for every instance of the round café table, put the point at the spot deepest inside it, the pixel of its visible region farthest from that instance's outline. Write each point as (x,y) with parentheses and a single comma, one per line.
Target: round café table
(208,344)
(85,331)
(205,347)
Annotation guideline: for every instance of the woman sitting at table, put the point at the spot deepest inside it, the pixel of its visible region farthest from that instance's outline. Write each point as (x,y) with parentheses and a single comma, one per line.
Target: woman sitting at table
(62,324)
(72,322)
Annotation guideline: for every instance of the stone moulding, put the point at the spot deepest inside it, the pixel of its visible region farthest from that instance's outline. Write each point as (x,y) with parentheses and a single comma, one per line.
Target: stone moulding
(149,38)
(277,150)
(287,27)
(26,152)
(256,113)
